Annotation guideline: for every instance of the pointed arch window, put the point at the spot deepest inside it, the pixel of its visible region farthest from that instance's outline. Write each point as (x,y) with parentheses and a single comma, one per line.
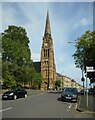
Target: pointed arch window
(44,52)
(48,52)
(46,73)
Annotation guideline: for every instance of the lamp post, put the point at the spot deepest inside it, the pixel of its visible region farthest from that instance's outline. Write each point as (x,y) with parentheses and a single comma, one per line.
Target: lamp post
(61,81)
(48,76)
(86,89)
(82,79)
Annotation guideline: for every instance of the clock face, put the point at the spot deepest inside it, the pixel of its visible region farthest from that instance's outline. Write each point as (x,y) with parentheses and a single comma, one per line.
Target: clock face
(46,44)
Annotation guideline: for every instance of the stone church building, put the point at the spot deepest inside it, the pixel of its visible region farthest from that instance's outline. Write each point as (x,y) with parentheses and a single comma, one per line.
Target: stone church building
(47,65)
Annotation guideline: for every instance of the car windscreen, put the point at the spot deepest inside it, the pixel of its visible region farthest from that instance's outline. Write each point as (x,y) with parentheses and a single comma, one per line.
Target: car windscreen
(70,90)
(15,89)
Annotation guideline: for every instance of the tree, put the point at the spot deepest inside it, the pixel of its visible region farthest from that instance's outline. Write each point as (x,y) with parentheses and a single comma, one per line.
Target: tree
(15,45)
(37,80)
(0,55)
(16,56)
(9,80)
(85,52)
(58,83)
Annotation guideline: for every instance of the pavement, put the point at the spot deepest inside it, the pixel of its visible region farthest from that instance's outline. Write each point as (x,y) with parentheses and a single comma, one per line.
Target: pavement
(82,104)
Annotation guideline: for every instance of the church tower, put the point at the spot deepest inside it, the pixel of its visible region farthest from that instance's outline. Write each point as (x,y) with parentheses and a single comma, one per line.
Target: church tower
(48,69)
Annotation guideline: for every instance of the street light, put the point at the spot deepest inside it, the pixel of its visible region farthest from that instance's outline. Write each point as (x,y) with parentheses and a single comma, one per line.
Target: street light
(82,79)
(70,42)
(48,76)
(62,82)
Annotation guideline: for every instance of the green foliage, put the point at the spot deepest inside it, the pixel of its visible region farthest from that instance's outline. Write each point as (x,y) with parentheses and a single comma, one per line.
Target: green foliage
(37,79)
(58,83)
(15,45)
(17,66)
(9,80)
(85,51)
(16,57)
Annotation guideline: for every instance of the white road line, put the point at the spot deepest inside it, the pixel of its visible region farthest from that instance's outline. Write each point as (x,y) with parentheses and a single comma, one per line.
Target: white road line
(6,109)
(69,107)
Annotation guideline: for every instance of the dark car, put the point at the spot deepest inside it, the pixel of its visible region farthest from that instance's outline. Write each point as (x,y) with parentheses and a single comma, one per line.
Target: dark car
(69,94)
(15,93)
(91,91)
(82,92)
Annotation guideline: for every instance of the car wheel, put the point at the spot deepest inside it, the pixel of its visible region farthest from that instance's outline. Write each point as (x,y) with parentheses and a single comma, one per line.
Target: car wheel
(25,95)
(15,97)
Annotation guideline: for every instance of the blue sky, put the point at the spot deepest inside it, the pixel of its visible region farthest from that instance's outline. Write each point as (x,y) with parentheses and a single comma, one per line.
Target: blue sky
(68,20)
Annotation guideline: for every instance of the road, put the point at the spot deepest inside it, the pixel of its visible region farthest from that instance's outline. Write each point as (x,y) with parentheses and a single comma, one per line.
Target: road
(44,105)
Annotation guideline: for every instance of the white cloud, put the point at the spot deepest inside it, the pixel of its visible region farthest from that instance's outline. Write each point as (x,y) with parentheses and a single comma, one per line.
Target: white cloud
(60,60)
(35,57)
(82,22)
(8,17)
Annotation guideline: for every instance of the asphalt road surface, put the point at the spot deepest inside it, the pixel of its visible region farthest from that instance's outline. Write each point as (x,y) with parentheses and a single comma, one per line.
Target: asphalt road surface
(44,105)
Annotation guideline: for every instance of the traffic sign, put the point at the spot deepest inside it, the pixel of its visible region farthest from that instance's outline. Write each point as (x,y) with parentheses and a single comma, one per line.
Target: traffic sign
(90,69)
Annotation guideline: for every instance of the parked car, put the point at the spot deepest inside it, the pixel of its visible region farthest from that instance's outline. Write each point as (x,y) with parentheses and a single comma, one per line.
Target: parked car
(91,91)
(82,92)
(69,94)
(15,93)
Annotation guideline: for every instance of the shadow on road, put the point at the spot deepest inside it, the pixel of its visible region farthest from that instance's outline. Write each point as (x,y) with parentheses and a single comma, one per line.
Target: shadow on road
(59,99)
(55,92)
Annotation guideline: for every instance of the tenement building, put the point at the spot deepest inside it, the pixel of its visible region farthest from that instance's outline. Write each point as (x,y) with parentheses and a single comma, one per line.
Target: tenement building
(48,69)
(68,82)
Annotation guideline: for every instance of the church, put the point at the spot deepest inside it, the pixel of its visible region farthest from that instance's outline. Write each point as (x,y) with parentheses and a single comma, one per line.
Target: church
(47,66)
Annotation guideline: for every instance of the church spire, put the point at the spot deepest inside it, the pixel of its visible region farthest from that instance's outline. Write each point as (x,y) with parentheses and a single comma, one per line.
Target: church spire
(47,27)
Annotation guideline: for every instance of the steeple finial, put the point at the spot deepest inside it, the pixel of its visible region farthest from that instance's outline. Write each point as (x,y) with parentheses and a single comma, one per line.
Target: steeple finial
(47,27)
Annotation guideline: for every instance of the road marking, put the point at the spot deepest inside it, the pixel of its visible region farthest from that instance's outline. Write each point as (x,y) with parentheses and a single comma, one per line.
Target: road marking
(69,107)
(6,109)
(76,106)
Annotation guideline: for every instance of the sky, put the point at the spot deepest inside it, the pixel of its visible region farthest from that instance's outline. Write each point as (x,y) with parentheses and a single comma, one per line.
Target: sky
(68,21)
